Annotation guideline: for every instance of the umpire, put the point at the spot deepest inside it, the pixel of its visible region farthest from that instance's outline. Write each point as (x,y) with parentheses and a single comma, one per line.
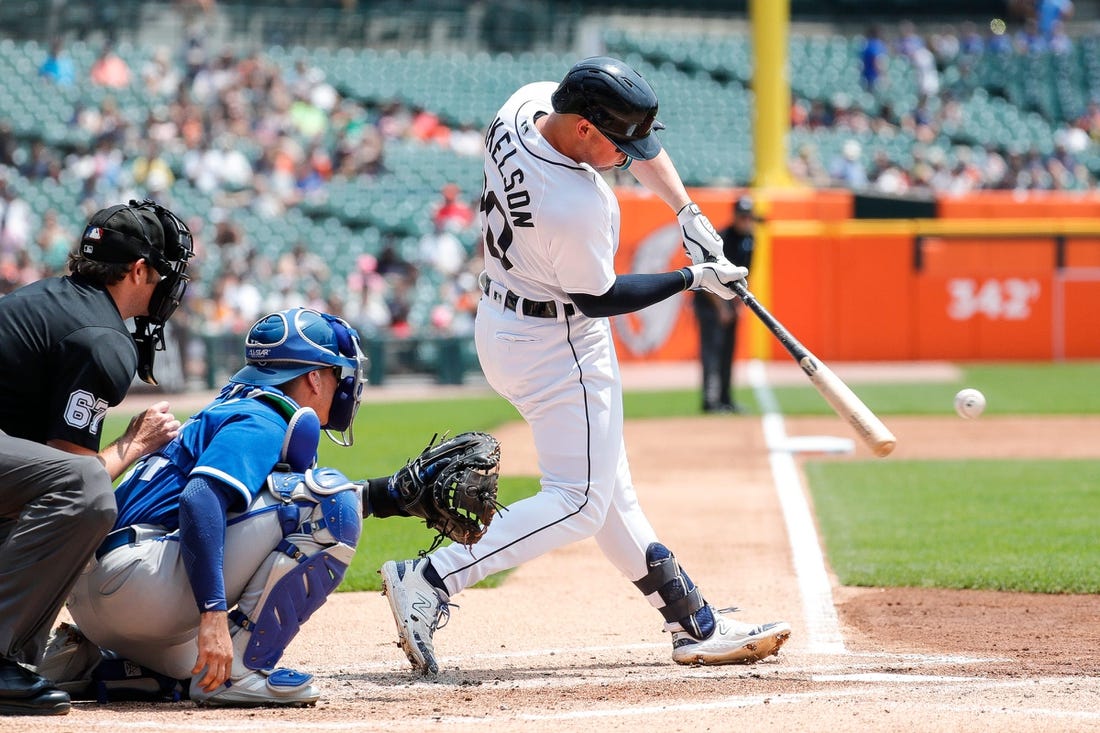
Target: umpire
(718,318)
(67,356)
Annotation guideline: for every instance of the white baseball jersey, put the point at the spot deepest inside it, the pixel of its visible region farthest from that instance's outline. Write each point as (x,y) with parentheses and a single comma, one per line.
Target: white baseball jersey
(551,224)
(551,227)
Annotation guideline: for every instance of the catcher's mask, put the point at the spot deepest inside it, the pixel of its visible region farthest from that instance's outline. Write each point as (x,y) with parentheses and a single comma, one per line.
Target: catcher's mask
(144,231)
(289,343)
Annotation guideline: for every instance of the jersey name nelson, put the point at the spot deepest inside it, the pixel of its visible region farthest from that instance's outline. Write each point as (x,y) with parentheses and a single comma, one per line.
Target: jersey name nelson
(501,148)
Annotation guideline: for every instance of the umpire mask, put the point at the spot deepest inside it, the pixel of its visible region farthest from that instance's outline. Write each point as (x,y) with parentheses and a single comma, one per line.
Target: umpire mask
(145,231)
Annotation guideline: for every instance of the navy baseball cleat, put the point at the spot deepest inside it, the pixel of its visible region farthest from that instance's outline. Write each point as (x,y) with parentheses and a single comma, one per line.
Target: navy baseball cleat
(418,607)
(731,642)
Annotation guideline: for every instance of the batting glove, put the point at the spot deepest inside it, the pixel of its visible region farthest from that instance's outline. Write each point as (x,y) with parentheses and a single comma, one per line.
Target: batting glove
(701,241)
(717,277)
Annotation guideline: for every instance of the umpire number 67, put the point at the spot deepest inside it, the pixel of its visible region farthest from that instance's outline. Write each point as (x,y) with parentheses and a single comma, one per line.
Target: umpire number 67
(85,411)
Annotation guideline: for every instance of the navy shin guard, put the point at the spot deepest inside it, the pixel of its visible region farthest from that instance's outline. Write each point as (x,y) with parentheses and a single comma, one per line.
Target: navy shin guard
(684,604)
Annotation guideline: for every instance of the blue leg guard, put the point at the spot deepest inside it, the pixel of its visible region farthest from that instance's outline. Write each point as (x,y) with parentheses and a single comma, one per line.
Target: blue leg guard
(684,604)
(321,516)
(290,603)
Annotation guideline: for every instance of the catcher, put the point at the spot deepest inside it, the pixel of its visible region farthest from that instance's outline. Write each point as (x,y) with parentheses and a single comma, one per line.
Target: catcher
(228,538)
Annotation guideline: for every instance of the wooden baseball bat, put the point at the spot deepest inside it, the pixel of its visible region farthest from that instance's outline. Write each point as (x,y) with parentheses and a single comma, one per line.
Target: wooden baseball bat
(839,395)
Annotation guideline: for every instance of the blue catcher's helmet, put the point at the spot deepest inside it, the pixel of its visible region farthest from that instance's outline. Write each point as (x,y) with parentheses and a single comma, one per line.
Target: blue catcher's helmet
(289,343)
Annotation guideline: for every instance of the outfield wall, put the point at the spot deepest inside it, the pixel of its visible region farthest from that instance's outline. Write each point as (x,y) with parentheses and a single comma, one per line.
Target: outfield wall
(996,276)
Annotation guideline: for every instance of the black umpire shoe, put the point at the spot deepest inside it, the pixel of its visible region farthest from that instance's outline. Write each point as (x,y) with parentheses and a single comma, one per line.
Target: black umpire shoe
(22,692)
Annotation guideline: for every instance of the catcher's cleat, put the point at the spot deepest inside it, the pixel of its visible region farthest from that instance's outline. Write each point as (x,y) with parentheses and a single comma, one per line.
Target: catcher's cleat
(261,688)
(731,642)
(418,609)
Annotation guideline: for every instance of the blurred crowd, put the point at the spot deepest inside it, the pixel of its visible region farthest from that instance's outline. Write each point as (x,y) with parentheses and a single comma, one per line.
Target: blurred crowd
(254,138)
(257,137)
(936,165)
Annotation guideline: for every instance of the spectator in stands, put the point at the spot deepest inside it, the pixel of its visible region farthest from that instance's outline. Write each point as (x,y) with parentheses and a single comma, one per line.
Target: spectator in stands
(41,163)
(1028,40)
(15,220)
(53,243)
(807,167)
(391,263)
(366,308)
(58,67)
(394,121)
(452,209)
(8,144)
(887,176)
(441,250)
(1059,41)
(150,170)
(971,42)
(242,297)
(924,67)
(873,59)
(109,69)
(1050,14)
(159,76)
(426,127)
(467,140)
(847,169)
(302,265)
(909,40)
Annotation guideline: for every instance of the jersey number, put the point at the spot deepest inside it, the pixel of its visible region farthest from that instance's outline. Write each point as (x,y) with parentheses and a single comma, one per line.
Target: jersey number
(498,232)
(84,411)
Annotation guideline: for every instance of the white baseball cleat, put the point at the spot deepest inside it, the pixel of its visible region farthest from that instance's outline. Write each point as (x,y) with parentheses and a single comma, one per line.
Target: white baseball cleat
(731,642)
(418,607)
(260,688)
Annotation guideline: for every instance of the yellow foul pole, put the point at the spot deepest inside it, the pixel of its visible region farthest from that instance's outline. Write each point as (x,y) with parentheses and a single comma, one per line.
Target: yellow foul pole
(771,125)
(771,20)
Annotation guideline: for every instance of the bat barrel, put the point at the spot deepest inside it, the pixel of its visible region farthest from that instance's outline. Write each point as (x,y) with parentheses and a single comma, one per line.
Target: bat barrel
(840,397)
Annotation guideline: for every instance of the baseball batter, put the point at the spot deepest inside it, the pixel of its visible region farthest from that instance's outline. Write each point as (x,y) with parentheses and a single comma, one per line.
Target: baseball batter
(551,228)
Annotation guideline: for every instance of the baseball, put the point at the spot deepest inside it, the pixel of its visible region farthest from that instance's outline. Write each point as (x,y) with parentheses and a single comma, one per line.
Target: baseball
(969,403)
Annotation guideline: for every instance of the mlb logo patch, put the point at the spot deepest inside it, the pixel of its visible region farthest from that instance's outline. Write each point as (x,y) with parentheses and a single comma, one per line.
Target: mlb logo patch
(93,233)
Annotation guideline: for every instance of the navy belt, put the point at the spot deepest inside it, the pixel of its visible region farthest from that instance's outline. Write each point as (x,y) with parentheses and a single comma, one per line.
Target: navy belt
(115,540)
(532,308)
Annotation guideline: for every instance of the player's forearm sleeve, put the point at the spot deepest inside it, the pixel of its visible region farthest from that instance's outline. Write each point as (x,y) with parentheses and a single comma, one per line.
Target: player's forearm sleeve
(202,540)
(380,499)
(632,292)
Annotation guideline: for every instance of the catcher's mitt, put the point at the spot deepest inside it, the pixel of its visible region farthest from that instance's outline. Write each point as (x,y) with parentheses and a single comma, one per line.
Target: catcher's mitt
(452,486)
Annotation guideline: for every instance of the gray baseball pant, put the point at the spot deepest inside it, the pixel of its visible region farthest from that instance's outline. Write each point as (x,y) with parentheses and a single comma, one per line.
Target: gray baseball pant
(55,509)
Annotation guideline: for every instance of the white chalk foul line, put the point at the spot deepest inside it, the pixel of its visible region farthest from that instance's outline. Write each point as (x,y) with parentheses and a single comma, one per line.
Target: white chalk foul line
(822,624)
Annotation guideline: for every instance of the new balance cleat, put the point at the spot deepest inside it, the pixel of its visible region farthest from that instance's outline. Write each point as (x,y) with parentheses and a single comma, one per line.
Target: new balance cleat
(261,688)
(731,642)
(418,607)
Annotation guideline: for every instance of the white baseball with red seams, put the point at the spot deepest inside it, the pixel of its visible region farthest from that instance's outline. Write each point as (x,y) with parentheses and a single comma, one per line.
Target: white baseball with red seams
(561,373)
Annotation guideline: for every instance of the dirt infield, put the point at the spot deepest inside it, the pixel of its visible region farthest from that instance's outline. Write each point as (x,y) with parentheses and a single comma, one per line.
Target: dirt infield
(568,645)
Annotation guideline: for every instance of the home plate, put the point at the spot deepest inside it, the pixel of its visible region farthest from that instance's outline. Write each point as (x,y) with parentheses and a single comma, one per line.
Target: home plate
(816,444)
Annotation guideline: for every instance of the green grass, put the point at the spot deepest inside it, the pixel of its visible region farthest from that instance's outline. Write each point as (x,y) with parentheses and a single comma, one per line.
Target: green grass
(999,525)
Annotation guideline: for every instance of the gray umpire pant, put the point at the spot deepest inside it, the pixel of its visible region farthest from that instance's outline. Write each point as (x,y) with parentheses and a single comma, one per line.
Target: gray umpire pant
(55,509)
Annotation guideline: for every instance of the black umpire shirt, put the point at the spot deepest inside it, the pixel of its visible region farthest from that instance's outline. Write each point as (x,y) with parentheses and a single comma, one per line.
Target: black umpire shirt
(65,357)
